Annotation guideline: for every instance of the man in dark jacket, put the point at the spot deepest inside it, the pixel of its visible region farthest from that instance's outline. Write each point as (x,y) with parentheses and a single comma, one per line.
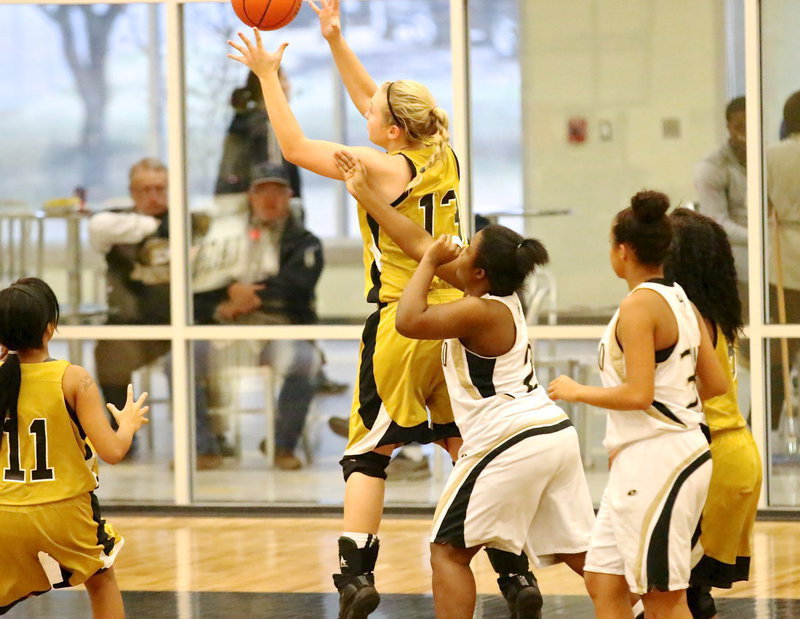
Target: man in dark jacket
(277,286)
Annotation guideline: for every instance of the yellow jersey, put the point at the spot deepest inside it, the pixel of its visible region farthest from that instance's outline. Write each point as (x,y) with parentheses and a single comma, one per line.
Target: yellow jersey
(432,203)
(45,456)
(722,412)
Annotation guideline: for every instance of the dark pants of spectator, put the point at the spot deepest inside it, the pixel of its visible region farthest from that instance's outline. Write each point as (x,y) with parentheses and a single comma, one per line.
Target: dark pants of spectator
(792,297)
(298,363)
(117,360)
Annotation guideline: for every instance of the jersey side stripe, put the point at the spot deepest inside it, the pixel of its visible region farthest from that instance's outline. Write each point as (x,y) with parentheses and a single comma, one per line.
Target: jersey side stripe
(369,399)
(413,169)
(658,549)
(452,527)
(373,296)
(481,372)
(664,410)
(650,515)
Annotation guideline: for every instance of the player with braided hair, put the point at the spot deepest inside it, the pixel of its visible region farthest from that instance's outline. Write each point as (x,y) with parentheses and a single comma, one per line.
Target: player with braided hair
(401,396)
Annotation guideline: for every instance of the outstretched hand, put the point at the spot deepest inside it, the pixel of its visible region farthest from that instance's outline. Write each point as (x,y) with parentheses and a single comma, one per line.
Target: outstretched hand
(133,413)
(443,250)
(353,171)
(563,388)
(329,20)
(253,55)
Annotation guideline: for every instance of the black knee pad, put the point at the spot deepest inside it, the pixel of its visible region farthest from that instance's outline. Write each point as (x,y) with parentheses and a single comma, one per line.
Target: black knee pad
(505,562)
(370,464)
(700,602)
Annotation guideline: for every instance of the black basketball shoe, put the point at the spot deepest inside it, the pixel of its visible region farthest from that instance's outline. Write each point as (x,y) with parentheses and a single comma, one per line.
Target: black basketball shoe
(521,591)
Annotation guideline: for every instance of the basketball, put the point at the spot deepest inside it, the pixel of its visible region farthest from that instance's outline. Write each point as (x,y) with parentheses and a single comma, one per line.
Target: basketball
(266,14)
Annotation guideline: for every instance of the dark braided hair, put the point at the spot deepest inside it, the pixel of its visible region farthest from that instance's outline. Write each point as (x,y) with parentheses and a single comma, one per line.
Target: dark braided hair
(27,307)
(701,261)
(507,258)
(645,227)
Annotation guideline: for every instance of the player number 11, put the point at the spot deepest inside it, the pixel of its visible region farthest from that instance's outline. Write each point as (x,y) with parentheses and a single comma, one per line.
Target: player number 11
(14,471)
(428,203)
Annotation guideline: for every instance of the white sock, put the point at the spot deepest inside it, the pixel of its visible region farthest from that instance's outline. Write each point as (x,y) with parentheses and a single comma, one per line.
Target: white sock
(362,540)
(638,608)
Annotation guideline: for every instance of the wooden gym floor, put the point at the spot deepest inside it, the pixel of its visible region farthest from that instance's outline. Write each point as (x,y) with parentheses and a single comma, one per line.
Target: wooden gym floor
(280,567)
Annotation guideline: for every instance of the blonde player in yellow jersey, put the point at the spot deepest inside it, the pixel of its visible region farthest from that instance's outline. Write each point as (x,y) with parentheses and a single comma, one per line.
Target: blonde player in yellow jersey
(53,424)
(701,261)
(400,380)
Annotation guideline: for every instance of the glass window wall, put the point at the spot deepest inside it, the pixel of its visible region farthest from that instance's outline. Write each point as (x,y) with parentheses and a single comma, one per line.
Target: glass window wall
(565,124)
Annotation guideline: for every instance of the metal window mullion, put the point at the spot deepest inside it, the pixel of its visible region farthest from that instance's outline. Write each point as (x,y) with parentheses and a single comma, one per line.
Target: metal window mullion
(311,332)
(459,51)
(183,430)
(756,218)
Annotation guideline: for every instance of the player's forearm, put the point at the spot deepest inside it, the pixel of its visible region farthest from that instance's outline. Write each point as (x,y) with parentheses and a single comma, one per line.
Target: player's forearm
(623,397)
(414,300)
(410,237)
(287,130)
(358,82)
(109,229)
(714,203)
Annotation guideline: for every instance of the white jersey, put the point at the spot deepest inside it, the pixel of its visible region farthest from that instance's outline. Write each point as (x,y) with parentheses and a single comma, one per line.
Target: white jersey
(493,397)
(676,404)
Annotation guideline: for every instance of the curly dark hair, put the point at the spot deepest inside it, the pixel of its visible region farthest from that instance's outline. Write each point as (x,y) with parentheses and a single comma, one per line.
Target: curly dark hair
(701,261)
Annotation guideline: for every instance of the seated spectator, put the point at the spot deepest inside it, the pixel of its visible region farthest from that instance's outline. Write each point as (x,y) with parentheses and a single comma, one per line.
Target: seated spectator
(135,243)
(277,286)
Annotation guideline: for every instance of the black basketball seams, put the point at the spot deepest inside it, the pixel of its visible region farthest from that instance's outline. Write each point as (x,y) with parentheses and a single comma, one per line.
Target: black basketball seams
(253,22)
(296,8)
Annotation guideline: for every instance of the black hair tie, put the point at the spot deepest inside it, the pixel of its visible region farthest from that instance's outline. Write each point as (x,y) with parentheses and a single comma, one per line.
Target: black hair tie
(391,110)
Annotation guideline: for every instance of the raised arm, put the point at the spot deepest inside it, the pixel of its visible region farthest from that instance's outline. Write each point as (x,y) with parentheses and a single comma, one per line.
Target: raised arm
(410,237)
(313,155)
(82,394)
(464,318)
(360,85)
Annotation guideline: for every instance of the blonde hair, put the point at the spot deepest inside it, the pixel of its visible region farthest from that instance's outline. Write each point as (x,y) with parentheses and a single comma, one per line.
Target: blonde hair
(411,106)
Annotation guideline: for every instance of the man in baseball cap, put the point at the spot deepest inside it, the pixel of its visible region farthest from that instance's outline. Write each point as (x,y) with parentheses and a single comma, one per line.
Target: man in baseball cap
(269,172)
(277,286)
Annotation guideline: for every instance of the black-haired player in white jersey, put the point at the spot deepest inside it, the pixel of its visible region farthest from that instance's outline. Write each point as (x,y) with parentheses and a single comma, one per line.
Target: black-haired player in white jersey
(657,364)
(518,487)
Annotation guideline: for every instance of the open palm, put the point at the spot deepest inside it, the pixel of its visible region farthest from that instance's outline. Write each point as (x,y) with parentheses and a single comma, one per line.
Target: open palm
(253,55)
(329,20)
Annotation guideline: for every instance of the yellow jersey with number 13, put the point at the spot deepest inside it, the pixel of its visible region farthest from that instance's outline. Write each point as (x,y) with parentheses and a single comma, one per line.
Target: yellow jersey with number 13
(45,456)
(433,204)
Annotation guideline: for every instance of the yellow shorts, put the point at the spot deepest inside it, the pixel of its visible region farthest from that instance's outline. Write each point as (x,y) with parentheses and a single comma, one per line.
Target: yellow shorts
(59,544)
(399,381)
(730,510)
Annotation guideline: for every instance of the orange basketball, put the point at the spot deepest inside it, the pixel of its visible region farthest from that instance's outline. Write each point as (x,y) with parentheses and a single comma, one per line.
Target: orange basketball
(266,14)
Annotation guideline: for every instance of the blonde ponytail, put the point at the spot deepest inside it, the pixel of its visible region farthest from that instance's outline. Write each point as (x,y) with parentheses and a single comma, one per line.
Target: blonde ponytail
(412,107)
